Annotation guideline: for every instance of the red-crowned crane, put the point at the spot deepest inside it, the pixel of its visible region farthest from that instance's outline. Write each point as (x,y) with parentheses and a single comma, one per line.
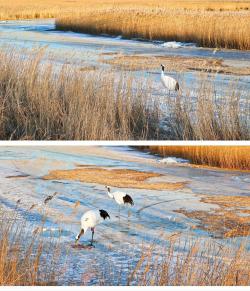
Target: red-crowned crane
(121,198)
(168,82)
(91,219)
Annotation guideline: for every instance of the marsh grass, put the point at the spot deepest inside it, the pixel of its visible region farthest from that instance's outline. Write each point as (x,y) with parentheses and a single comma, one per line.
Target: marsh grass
(43,101)
(26,259)
(24,9)
(208,23)
(198,264)
(211,115)
(39,101)
(231,157)
(205,28)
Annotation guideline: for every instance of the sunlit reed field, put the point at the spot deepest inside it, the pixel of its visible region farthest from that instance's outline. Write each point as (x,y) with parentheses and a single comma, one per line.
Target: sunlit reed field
(206,28)
(24,9)
(207,23)
(231,157)
(40,261)
(44,101)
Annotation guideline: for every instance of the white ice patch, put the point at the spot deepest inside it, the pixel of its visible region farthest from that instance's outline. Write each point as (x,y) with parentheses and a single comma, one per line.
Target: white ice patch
(176,44)
(173,160)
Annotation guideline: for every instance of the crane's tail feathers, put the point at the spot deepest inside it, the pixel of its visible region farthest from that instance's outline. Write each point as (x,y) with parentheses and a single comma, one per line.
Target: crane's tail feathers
(177,87)
(128,200)
(104,214)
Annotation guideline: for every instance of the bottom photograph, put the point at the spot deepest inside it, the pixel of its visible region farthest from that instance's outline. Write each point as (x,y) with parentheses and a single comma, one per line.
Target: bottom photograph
(119,215)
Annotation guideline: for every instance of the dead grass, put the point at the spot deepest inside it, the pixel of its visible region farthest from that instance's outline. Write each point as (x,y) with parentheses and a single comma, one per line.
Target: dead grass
(208,23)
(210,115)
(44,101)
(24,9)
(205,28)
(117,178)
(25,264)
(230,157)
(198,264)
(174,63)
(39,101)
(231,219)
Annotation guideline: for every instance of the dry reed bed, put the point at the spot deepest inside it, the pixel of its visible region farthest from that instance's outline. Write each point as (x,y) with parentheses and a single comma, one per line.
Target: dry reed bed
(231,157)
(206,28)
(39,101)
(208,23)
(24,9)
(198,264)
(34,262)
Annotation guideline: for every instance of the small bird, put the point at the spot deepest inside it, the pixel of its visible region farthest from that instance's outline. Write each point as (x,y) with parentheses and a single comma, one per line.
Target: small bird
(50,197)
(32,206)
(91,219)
(120,198)
(216,50)
(168,82)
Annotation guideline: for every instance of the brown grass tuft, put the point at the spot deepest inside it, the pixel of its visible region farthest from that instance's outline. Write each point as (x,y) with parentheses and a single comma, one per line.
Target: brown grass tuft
(116,178)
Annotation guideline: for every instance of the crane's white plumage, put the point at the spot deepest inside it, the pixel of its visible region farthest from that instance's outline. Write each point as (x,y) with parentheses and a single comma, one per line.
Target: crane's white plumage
(120,198)
(91,219)
(168,82)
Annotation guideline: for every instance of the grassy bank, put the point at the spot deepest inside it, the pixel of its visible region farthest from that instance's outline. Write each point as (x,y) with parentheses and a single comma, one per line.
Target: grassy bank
(206,28)
(208,23)
(231,157)
(39,101)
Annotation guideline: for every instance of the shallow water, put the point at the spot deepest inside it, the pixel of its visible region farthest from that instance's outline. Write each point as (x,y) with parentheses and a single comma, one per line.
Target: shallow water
(118,240)
(83,50)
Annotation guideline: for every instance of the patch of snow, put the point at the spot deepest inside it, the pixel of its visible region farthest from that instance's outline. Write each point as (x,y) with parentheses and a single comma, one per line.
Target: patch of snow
(176,44)
(173,160)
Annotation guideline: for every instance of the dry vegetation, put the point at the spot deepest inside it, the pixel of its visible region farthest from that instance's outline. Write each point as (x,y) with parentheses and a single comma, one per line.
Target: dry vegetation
(231,219)
(38,101)
(172,63)
(27,9)
(231,157)
(117,178)
(199,264)
(206,28)
(208,23)
(31,263)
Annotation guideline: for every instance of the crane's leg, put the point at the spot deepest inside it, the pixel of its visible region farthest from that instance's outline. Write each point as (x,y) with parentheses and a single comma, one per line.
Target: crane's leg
(119,213)
(92,239)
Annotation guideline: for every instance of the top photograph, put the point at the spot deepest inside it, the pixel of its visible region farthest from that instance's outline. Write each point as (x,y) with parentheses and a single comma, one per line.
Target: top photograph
(124,70)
